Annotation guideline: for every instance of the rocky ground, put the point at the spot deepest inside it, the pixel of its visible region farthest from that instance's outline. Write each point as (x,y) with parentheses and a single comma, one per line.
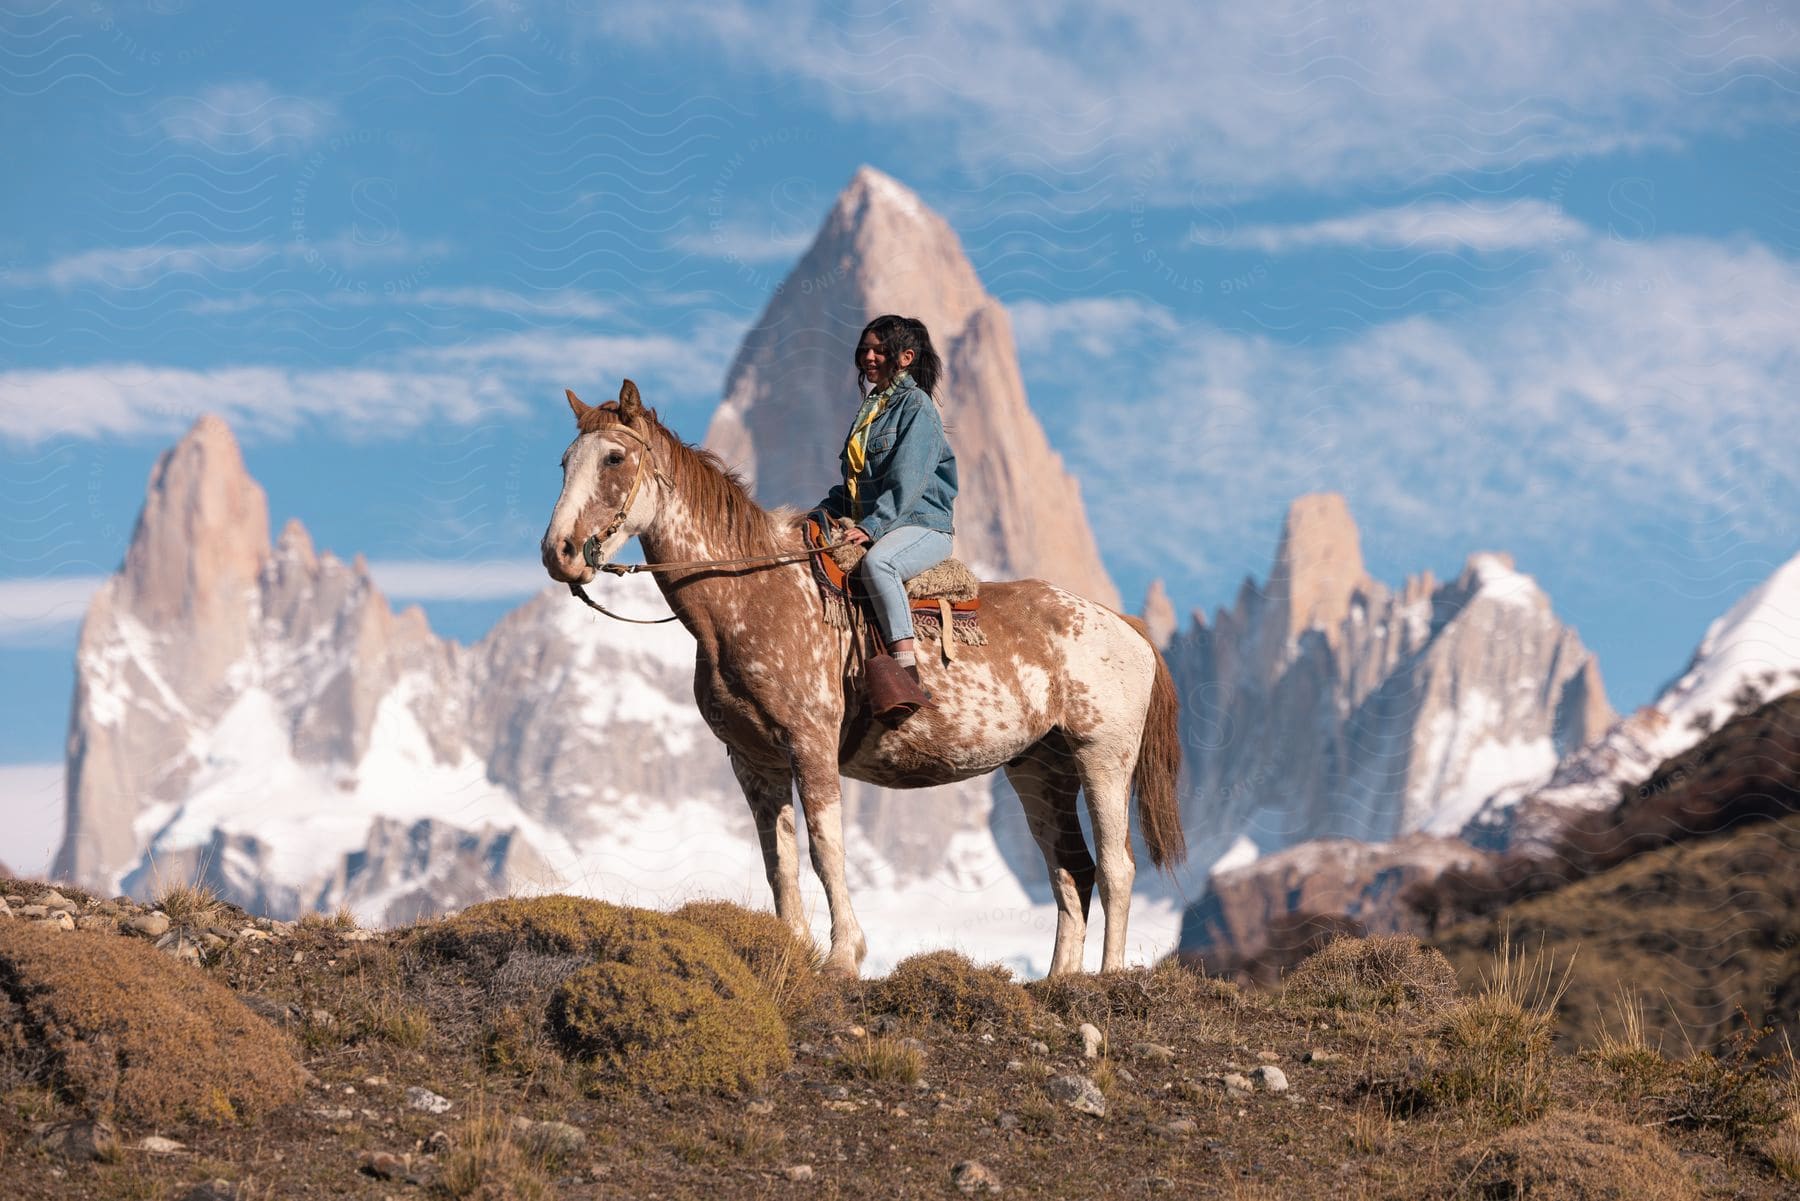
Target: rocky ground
(564,1048)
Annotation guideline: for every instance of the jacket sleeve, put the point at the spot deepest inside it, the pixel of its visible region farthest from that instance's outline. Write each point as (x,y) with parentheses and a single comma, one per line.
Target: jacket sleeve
(918,444)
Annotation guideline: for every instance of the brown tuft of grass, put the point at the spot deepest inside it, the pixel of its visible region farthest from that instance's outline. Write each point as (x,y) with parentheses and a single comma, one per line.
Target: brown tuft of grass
(669,1009)
(884,1059)
(487,1162)
(1782,1147)
(1735,1093)
(192,904)
(396,1022)
(123,1029)
(1572,1157)
(786,965)
(1384,971)
(749,1139)
(1497,1046)
(948,989)
(1171,987)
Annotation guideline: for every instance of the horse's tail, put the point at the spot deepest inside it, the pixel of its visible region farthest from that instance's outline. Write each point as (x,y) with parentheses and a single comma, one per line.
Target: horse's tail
(1159,765)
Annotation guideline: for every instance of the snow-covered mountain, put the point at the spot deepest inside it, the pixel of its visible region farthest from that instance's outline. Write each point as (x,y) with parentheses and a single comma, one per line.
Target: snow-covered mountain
(1514,788)
(1322,704)
(1749,655)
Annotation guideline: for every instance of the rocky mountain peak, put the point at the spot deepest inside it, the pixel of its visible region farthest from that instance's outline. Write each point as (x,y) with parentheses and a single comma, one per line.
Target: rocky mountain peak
(202,535)
(1318,566)
(1159,614)
(792,388)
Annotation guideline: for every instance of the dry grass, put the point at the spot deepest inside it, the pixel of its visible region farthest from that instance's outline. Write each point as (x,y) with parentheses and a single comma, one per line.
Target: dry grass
(1572,1157)
(1386,971)
(397,1022)
(124,1029)
(1496,1048)
(1735,1094)
(948,989)
(192,905)
(488,1163)
(884,1059)
(1169,988)
(1782,1147)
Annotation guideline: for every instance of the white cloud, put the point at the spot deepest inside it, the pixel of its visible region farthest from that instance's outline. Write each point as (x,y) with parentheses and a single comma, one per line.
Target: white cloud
(1481,226)
(562,302)
(31,796)
(453,580)
(35,609)
(386,398)
(1292,92)
(1095,326)
(742,242)
(1627,388)
(138,266)
(238,118)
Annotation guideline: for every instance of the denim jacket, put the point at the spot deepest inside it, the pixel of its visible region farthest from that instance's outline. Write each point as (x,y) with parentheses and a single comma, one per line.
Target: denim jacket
(909,477)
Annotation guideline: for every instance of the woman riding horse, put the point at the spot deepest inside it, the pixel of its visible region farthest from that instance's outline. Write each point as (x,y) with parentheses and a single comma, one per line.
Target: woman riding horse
(898,495)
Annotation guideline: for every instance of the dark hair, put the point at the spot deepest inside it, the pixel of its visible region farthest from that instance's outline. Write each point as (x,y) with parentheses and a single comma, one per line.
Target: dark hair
(907,333)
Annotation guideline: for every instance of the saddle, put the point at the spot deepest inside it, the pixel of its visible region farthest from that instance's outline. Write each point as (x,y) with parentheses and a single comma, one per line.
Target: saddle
(947,595)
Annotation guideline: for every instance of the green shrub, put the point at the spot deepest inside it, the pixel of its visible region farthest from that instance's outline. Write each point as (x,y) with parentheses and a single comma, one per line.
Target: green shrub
(786,965)
(669,1009)
(948,989)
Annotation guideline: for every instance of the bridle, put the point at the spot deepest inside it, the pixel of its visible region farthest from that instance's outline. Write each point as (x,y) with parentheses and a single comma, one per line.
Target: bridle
(590,550)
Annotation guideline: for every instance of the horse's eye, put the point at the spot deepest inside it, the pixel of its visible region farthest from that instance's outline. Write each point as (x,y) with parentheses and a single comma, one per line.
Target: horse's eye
(615,458)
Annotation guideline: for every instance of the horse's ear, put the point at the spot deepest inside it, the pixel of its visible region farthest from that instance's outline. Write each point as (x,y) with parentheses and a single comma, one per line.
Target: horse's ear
(630,403)
(575,406)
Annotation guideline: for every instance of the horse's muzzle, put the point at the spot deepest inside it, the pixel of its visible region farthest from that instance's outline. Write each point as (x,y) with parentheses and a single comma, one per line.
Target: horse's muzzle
(566,561)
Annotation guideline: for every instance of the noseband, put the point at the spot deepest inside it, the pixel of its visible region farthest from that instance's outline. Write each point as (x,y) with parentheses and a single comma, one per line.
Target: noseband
(590,550)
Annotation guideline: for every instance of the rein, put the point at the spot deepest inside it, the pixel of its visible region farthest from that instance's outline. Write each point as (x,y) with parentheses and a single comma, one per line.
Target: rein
(590,550)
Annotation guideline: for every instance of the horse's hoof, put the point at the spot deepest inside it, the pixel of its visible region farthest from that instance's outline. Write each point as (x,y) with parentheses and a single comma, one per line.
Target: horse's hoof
(837,969)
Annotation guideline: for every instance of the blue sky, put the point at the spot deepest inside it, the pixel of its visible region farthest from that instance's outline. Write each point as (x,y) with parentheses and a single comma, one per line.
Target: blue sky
(1520,277)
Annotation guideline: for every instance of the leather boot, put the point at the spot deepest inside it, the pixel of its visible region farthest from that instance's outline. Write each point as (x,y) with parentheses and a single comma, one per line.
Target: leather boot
(894,692)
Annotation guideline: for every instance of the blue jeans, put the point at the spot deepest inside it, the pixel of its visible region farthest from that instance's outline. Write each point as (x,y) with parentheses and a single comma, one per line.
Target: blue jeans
(901,553)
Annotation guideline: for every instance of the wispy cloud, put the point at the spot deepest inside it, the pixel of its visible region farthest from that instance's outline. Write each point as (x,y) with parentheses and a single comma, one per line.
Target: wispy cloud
(452,580)
(389,397)
(237,118)
(576,305)
(31,795)
(741,242)
(1636,387)
(1293,92)
(34,609)
(141,266)
(1480,226)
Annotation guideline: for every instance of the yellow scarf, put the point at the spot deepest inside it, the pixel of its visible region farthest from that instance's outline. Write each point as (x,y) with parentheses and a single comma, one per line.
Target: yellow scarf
(855,452)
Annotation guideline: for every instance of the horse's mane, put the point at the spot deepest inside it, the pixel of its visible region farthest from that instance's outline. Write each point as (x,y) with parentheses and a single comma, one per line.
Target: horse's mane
(720,499)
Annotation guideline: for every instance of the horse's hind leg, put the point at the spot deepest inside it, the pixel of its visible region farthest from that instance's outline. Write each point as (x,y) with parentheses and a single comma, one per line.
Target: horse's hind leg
(1047,784)
(1105,764)
(770,793)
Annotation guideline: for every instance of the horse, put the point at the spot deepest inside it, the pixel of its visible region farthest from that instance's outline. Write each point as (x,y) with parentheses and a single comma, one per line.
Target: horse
(1066,695)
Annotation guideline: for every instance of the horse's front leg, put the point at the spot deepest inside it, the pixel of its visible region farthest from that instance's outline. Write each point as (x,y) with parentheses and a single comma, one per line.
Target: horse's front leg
(815,769)
(769,789)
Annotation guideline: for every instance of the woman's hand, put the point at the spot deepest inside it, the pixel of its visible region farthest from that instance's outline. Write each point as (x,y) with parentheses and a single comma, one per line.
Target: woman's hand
(855,536)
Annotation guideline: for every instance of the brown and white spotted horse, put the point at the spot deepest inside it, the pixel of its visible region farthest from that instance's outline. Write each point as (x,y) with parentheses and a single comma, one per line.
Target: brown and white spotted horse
(1066,695)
